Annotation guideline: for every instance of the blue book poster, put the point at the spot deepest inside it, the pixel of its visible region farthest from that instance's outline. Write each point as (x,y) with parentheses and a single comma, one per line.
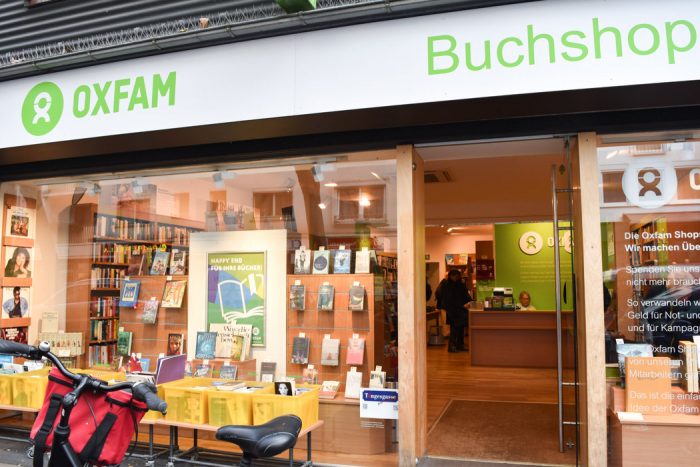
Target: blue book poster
(130,294)
(236,284)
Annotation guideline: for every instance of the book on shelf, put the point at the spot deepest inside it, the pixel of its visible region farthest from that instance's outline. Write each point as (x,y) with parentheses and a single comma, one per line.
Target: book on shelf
(159,266)
(353,383)
(150,311)
(15,334)
(362,262)
(300,350)
(321,261)
(302,261)
(310,375)
(145,364)
(225,335)
(297,297)
(130,293)
(135,264)
(206,345)
(377,379)
(178,262)
(228,372)
(203,370)
(267,371)
(341,261)
(20,221)
(326,293)
(356,298)
(176,344)
(632,350)
(330,350)
(329,389)
(237,348)
(285,388)
(15,302)
(356,351)
(102,277)
(173,294)
(124,339)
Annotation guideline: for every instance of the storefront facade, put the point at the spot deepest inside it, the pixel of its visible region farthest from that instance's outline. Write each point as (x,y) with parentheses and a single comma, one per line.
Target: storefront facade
(246,129)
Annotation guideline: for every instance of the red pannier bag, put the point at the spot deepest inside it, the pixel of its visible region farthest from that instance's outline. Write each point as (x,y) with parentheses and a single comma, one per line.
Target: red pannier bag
(93,419)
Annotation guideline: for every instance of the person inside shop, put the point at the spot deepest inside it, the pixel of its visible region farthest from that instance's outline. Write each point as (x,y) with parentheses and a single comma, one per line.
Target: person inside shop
(16,307)
(524,302)
(455,298)
(18,265)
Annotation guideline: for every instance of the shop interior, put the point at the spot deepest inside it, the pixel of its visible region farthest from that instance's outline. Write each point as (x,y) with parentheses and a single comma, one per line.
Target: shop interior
(489,215)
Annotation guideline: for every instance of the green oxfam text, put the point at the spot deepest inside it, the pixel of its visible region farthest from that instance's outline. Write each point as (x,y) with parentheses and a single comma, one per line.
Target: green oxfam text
(671,39)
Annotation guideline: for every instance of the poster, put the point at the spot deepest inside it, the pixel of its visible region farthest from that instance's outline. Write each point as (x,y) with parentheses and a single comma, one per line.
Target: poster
(236,283)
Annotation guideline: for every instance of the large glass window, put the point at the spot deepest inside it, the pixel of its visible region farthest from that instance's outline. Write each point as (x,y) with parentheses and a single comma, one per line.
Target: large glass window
(650,233)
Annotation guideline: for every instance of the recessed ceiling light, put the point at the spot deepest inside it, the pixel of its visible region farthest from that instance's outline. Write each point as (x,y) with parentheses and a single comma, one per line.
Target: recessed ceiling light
(330,184)
(322,205)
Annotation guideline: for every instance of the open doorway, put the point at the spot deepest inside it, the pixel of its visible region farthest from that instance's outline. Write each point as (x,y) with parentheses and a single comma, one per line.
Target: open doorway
(503,391)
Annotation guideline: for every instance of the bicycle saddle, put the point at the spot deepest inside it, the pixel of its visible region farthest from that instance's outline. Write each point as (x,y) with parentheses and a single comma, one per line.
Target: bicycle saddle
(261,441)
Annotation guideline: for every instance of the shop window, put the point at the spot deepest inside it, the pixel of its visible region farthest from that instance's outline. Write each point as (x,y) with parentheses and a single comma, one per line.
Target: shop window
(360,203)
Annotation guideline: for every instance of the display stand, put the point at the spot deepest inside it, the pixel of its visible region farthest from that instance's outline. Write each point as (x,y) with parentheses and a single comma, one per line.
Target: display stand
(92,232)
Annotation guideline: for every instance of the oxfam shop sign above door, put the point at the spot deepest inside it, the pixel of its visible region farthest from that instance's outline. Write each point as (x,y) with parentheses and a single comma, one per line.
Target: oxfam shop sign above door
(513,49)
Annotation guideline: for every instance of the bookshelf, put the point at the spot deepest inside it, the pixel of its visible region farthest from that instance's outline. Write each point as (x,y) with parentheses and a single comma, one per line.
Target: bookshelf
(340,323)
(100,247)
(17,328)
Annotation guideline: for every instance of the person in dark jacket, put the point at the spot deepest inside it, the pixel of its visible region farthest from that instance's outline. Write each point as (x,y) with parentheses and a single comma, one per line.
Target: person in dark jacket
(454,298)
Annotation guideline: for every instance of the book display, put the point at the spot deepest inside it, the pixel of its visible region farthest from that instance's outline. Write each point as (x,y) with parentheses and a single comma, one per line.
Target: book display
(124,252)
(206,345)
(297,297)
(341,261)
(321,262)
(329,324)
(19,232)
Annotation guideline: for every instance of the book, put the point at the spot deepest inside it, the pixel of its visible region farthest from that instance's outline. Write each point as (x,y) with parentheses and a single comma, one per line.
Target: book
(325,297)
(203,370)
(267,371)
(150,311)
(341,261)
(228,372)
(356,300)
(237,348)
(173,294)
(206,345)
(15,302)
(310,376)
(124,343)
(178,260)
(353,382)
(302,261)
(285,388)
(21,221)
(300,350)
(329,389)
(632,350)
(130,293)
(15,334)
(176,343)
(225,335)
(229,386)
(145,364)
(135,264)
(321,261)
(356,351)
(330,350)
(159,266)
(376,379)
(297,297)
(362,262)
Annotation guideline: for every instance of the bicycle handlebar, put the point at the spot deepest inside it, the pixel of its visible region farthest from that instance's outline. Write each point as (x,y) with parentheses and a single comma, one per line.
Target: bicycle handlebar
(144,392)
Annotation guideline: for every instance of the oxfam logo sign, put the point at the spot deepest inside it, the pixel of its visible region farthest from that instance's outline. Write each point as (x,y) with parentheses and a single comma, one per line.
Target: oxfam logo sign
(42,108)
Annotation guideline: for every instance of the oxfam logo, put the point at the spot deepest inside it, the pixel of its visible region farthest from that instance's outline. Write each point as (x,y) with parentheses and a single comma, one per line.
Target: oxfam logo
(42,108)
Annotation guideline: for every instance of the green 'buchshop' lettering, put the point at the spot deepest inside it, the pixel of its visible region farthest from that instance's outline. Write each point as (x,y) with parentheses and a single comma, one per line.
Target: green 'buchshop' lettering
(602,41)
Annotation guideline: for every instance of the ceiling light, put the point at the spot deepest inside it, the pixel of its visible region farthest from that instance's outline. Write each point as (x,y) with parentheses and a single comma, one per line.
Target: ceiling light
(218,179)
(450,230)
(330,184)
(364,201)
(322,205)
(377,176)
(317,172)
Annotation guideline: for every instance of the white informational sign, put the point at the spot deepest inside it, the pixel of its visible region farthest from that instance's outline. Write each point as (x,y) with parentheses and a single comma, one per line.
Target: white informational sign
(506,50)
(379,403)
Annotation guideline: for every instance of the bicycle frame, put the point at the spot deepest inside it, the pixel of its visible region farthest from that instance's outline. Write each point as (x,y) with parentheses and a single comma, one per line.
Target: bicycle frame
(62,453)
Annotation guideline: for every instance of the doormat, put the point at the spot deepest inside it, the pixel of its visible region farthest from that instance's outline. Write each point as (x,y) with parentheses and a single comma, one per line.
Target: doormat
(501,432)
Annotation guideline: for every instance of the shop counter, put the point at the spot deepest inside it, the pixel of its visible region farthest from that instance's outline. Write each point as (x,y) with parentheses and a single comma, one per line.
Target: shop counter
(519,338)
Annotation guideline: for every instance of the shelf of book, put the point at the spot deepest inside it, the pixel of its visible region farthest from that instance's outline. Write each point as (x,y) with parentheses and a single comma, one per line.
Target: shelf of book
(338,322)
(105,250)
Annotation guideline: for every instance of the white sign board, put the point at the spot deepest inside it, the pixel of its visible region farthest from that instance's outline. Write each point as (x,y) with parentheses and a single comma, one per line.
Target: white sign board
(379,403)
(505,50)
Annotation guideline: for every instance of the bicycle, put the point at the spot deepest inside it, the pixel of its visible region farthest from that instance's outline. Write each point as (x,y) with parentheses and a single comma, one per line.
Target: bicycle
(260,441)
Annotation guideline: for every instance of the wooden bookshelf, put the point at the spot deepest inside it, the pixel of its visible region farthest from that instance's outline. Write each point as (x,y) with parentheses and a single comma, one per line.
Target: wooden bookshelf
(341,323)
(94,245)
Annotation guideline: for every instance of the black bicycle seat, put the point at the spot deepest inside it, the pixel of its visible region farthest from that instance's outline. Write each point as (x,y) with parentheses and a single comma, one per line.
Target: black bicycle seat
(261,441)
